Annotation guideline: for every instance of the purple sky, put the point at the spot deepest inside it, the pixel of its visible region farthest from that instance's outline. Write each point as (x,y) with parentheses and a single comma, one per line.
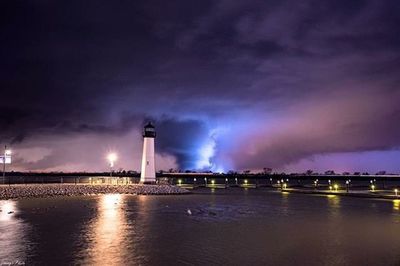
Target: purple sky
(291,85)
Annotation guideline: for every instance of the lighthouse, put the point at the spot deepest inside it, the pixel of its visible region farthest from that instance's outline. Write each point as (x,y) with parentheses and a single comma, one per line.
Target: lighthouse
(148,174)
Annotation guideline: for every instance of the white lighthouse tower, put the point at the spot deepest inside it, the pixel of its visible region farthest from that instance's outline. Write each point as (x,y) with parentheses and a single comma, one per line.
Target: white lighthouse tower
(148,174)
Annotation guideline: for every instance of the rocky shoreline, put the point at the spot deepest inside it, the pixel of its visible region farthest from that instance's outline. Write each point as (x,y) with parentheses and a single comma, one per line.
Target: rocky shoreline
(53,190)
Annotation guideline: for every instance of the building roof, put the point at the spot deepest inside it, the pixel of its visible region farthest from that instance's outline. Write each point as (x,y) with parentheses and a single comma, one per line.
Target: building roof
(149,125)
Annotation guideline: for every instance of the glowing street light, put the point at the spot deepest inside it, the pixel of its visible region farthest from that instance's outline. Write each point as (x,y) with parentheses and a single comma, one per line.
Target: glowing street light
(6,159)
(111,157)
(373,188)
(336,186)
(284,186)
(396,191)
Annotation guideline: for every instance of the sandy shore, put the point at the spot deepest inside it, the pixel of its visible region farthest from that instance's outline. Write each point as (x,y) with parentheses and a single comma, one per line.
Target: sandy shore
(51,190)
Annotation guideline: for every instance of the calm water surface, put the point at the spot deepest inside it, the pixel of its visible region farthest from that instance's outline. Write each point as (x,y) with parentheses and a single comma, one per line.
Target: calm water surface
(234,227)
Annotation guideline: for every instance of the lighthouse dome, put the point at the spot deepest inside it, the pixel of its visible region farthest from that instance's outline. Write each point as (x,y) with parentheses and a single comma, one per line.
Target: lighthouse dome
(149,131)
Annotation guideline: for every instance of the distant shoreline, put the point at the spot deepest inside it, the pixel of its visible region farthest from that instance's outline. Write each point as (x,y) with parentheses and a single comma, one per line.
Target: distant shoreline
(383,194)
(54,190)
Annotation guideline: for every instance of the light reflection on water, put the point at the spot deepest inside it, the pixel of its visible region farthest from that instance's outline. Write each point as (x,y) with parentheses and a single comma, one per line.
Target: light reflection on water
(225,227)
(13,231)
(396,204)
(105,235)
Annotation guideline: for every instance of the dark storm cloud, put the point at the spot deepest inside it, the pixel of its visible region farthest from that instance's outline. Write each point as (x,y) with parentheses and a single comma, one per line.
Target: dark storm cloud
(72,68)
(181,139)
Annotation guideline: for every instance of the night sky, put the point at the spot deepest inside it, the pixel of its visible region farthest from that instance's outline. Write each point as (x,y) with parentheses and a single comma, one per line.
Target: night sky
(291,85)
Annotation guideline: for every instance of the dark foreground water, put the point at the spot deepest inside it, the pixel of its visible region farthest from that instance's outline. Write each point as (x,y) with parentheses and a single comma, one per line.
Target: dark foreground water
(225,227)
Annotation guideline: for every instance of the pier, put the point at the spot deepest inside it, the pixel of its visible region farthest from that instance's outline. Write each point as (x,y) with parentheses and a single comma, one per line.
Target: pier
(372,186)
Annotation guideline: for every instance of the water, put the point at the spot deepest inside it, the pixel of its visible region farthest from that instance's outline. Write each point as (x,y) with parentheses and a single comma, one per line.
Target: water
(225,227)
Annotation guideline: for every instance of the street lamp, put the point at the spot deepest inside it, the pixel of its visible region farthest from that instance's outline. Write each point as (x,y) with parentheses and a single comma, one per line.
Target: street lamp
(6,160)
(396,191)
(112,157)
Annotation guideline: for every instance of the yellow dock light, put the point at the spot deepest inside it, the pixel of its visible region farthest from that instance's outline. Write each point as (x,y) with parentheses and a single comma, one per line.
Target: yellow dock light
(336,186)
(396,191)
(373,188)
(213,182)
(180,181)
(330,188)
(284,185)
(245,181)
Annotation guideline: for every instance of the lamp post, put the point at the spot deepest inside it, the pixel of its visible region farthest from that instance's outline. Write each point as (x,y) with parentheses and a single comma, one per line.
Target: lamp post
(6,159)
(112,157)
(4,164)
